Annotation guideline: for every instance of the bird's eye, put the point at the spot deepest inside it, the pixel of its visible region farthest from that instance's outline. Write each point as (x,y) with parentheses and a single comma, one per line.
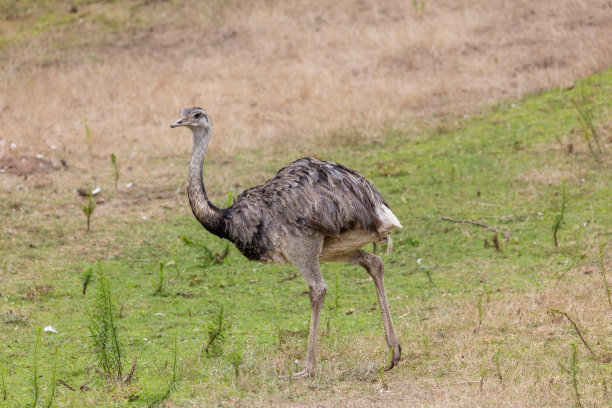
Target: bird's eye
(197,115)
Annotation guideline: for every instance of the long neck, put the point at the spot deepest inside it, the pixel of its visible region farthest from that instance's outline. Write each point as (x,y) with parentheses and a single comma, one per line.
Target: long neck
(209,216)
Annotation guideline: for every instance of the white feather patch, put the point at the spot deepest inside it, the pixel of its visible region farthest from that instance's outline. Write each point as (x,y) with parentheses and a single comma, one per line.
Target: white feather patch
(387,217)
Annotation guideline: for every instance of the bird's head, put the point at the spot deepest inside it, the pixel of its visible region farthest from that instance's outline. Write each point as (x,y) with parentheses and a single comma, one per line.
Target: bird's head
(193,118)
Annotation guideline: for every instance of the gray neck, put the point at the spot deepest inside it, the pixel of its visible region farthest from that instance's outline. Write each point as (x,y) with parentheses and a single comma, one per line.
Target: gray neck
(209,216)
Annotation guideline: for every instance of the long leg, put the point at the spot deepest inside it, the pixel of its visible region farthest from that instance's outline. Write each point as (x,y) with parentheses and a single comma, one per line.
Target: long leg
(374,265)
(305,256)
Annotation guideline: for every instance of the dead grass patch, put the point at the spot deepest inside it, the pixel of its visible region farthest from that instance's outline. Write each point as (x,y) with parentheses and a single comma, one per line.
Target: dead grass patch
(552,176)
(38,291)
(24,165)
(16,316)
(286,72)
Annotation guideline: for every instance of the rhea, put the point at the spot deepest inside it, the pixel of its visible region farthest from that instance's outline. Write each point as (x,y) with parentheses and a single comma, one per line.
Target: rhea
(312,211)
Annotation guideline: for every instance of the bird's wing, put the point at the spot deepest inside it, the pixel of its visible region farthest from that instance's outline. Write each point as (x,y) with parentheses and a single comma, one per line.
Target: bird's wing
(323,197)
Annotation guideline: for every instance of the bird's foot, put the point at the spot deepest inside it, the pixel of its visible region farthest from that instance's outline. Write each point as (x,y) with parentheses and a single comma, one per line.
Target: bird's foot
(303,374)
(396,355)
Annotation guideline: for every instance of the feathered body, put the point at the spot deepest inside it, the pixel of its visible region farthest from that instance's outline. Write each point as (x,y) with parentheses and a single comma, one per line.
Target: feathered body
(307,196)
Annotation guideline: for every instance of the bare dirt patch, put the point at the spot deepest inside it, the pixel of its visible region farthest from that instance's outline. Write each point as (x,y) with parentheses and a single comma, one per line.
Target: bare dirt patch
(25,165)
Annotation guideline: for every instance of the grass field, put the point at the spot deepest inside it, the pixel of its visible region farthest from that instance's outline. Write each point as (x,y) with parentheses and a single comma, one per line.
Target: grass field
(479,308)
(474,320)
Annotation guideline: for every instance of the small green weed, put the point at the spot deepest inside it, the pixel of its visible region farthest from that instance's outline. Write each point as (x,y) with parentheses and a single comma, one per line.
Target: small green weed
(35,369)
(3,380)
(87,275)
(479,308)
(419,7)
(559,218)
(574,373)
(336,289)
(89,208)
(206,256)
(88,135)
(163,397)
(53,380)
(216,332)
(381,377)
(115,165)
(496,358)
(236,358)
(426,345)
(160,283)
(483,374)
(103,329)
(589,131)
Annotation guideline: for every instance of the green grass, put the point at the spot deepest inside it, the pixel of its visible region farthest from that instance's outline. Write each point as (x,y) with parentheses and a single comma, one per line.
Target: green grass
(505,167)
(62,21)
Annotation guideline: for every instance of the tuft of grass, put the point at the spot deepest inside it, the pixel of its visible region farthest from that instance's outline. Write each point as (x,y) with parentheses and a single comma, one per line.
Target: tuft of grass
(216,332)
(206,256)
(219,257)
(565,267)
(116,174)
(236,358)
(496,358)
(381,377)
(103,329)
(16,317)
(559,218)
(426,345)
(89,208)
(603,272)
(589,131)
(479,308)
(419,7)
(483,374)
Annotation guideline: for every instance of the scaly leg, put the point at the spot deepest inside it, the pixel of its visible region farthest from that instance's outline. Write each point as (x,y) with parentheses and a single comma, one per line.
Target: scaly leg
(304,254)
(317,296)
(374,265)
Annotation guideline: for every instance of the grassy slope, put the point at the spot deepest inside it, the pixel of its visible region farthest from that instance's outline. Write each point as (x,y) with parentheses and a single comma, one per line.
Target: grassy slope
(515,155)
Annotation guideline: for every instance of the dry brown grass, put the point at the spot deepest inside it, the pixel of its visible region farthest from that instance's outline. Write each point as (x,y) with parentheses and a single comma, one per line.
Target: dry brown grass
(458,366)
(284,72)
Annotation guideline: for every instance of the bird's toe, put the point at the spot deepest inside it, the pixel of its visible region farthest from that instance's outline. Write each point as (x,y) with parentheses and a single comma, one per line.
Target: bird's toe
(303,374)
(395,357)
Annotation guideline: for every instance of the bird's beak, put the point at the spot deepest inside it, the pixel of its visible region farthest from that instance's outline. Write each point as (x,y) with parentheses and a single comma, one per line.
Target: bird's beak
(177,123)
